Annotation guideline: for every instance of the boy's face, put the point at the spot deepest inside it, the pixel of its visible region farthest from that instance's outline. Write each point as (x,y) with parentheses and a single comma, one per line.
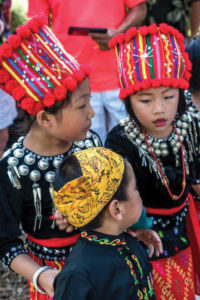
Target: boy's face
(75,119)
(155,109)
(132,207)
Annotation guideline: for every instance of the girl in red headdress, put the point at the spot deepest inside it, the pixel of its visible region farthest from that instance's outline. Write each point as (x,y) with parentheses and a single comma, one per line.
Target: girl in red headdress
(161,140)
(53,90)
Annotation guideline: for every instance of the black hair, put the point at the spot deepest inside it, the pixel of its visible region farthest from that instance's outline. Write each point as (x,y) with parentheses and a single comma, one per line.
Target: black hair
(193,49)
(181,106)
(70,169)
(25,121)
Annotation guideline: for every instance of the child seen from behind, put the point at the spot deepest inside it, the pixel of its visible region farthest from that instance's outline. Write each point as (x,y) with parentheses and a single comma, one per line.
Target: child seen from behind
(96,191)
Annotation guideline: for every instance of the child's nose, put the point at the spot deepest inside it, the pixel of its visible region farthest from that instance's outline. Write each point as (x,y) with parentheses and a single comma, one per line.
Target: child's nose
(158,106)
(91,112)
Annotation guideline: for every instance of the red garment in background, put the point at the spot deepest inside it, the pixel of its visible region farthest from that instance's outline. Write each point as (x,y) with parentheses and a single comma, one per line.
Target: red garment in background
(90,13)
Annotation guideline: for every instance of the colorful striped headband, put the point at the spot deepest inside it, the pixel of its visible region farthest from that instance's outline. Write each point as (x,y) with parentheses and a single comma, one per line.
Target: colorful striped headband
(151,56)
(35,69)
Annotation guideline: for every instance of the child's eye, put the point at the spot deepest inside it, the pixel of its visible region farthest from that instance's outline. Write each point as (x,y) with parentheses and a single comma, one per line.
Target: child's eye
(82,106)
(145,101)
(169,97)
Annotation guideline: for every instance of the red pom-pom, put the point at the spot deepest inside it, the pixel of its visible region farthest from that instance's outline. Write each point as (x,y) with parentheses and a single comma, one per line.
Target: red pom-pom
(14,41)
(118,39)
(42,20)
(6,50)
(153,29)
(131,33)
(34,25)
(155,83)
(78,75)
(11,85)
(164,28)
(23,31)
(4,76)
(27,104)
(187,75)
(143,30)
(60,93)
(18,93)
(175,83)
(167,82)
(122,94)
(38,106)
(70,84)
(49,100)
(137,86)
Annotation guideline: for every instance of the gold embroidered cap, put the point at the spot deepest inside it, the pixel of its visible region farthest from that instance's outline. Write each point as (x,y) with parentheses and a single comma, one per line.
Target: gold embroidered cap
(81,199)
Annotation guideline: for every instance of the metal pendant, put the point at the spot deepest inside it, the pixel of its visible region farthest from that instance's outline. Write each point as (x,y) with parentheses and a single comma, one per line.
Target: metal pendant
(50,176)
(18,153)
(43,164)
(29,159)
(35,175)
(57,161)
(23,170)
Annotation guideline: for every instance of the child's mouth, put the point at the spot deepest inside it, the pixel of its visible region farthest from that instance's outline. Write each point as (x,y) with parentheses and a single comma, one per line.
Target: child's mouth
(160,122)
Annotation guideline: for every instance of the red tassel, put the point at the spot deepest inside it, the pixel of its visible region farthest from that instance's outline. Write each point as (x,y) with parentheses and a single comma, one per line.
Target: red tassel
(78,75)
(11,85)
(153,29)
(6,50)
(38,106)
(28,104)
(14,41)
(4,76)
(18,93)
(60,93)
(143,30)
(33,25)
(131,33)
(118,39)
(49,100)
(70,84)
(23,31)
(155,83)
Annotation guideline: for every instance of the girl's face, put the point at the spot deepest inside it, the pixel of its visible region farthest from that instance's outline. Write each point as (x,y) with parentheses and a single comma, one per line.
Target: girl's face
(75,119)
(155,109)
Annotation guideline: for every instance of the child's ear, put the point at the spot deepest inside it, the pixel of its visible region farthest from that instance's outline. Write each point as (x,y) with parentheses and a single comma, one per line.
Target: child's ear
(43,119)
(115,210)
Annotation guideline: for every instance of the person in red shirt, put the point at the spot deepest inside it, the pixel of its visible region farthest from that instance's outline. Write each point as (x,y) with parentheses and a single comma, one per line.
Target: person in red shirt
(93,50)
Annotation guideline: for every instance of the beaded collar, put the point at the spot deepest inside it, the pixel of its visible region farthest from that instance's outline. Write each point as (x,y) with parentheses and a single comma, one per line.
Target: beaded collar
(38,169)
(186,132)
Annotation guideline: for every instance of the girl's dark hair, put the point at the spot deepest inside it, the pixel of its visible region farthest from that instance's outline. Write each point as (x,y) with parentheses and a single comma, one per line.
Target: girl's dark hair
(24,121)
(193,49)
(70,169)
(181,106)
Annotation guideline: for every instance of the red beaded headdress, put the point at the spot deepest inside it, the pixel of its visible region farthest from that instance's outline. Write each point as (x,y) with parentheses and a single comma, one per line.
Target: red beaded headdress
(151,56)
(35,69)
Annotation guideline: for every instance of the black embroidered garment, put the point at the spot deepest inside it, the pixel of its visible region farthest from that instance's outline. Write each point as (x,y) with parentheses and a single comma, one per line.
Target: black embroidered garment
(26,185)
(105,267)
(128,140)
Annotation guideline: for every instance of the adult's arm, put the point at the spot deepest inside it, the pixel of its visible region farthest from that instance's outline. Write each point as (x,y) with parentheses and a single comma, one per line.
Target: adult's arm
(134,17)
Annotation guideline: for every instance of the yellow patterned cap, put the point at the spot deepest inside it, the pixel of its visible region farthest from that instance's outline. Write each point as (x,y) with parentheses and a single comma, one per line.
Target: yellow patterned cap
(81,199)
